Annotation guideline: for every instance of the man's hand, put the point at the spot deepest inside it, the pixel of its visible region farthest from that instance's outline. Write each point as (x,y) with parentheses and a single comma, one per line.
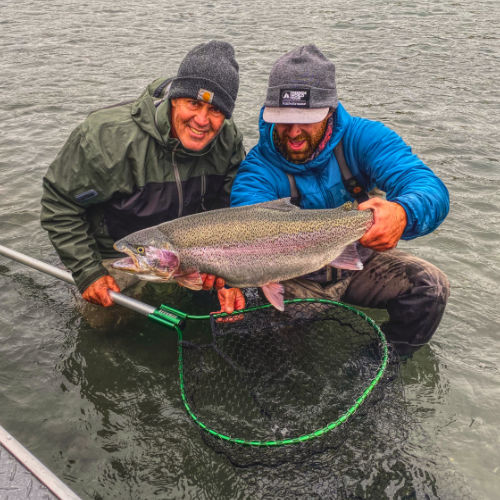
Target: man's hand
(97,292)
(211,281)
(230,299)
(389,222)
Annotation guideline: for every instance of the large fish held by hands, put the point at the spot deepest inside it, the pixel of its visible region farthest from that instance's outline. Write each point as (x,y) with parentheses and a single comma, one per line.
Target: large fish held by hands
(249,246)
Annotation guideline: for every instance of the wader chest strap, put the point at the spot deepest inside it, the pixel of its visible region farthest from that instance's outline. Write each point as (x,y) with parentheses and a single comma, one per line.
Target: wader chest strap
(352,185)
(350,182)
(294,192)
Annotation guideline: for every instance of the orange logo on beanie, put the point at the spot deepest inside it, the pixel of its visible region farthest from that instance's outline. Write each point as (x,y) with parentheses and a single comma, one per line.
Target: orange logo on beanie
(205,95)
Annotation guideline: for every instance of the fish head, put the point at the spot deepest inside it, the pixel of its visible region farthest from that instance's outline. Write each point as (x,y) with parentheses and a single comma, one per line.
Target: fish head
(149,255)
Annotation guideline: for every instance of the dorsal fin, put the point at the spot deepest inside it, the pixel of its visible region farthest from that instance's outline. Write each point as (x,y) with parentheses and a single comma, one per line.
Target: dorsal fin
(282,204)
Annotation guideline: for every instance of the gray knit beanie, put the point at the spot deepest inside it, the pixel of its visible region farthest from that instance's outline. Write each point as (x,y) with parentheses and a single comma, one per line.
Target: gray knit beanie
(301,87)
(209,73)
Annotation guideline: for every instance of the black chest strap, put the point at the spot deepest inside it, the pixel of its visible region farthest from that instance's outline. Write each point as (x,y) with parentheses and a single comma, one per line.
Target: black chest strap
(294,192)
(352,185)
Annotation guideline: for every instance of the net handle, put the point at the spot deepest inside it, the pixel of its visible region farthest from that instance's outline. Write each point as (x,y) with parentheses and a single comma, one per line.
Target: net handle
(123,300)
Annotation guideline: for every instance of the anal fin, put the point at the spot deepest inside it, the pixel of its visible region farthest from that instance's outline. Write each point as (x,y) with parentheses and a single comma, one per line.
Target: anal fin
(274,293)
(348,259)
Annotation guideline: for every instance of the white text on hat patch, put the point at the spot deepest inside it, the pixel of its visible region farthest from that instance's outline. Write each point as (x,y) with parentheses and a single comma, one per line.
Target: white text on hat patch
(294,97)
(205,95)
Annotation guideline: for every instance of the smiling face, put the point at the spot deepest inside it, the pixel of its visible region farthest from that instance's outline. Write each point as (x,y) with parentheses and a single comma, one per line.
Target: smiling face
(297,141)
(195,123)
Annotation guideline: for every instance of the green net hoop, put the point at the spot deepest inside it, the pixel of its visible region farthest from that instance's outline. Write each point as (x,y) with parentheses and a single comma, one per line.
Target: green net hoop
(243,365)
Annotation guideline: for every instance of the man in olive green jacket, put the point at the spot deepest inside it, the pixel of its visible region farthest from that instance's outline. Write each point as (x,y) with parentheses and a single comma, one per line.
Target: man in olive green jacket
(172,152)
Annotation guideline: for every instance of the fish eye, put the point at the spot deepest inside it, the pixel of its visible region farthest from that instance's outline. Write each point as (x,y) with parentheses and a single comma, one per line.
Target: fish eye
(140,250)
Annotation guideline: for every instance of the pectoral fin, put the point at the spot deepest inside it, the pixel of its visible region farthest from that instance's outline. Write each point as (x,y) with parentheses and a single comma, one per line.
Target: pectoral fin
(191,280)
(274,294)
(348,259)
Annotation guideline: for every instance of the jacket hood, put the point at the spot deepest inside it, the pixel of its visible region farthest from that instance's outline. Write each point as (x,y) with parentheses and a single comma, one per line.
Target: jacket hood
(143,113)
(272,154)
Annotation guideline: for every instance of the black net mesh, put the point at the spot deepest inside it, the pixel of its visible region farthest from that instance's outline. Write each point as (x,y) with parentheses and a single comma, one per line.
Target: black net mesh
(280,375)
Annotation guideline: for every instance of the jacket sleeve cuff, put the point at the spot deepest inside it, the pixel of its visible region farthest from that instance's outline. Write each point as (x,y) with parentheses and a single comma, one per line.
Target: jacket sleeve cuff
(409,233)
(85,279)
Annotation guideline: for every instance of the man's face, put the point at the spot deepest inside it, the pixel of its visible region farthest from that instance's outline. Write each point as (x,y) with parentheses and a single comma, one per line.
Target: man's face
(195,123)
(297,141)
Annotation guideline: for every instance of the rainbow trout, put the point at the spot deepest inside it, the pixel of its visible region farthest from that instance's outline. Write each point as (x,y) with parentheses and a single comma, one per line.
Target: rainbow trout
(254,245)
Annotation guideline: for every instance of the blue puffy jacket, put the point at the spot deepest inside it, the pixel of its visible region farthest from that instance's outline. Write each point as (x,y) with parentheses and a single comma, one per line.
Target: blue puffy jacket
(376,156)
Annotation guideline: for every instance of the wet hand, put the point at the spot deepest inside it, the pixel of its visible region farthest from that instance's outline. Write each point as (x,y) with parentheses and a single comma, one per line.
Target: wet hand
(211,281)
(98,292)
(389,222)
(230,299)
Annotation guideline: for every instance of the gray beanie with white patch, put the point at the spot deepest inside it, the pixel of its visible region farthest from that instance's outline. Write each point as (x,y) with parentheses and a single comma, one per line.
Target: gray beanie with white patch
(301,87)
(209,73)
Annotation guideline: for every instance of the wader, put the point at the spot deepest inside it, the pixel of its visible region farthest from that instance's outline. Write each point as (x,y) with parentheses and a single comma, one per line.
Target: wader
(413,291)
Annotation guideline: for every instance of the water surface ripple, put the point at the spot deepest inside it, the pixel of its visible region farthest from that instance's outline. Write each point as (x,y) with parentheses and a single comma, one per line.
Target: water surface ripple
(103,410)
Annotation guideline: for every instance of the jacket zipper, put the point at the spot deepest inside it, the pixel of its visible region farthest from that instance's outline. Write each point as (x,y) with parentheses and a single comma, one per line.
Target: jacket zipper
(203,191)
(179,184)
(176,170)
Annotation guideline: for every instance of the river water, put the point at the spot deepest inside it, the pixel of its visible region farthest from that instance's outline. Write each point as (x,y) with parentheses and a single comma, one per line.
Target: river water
(102,410)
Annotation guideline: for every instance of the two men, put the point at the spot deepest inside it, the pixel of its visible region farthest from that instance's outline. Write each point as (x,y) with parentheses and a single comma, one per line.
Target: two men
(175,151)
(172,152)
(310,148)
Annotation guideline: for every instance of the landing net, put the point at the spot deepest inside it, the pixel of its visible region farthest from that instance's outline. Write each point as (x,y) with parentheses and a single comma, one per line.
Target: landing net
(281,378)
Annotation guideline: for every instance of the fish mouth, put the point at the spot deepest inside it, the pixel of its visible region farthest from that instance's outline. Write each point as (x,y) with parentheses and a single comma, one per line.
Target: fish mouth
(149,262)
(131,263)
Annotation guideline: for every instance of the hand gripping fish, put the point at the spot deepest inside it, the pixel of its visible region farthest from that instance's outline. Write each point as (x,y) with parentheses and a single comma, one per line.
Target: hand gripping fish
(249,246)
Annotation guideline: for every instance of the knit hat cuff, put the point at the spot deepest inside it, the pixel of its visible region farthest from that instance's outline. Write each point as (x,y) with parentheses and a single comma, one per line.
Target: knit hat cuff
(203,89)
(298,104)
(315,97)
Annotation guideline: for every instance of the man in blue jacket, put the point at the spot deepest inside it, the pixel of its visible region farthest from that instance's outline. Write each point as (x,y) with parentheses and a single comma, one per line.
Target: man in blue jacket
(310,148)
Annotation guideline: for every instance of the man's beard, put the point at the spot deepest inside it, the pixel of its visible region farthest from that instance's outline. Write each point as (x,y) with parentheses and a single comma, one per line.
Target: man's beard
(299,156)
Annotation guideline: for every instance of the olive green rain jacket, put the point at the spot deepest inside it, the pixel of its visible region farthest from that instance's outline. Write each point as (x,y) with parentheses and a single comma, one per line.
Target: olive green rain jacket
(120,171)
